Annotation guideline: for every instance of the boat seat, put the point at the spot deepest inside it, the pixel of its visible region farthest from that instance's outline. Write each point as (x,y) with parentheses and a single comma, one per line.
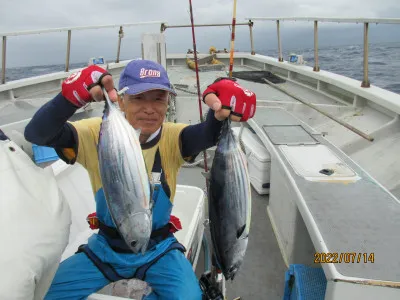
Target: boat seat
(18,138)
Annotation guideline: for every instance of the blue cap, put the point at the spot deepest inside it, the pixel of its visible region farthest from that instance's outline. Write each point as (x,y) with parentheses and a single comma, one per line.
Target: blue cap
(144,75)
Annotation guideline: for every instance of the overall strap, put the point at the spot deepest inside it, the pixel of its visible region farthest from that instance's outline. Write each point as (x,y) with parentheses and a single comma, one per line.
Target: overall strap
(142,270)
(106,269)
(109,272)
(3,137)
(159,172)
(117,243)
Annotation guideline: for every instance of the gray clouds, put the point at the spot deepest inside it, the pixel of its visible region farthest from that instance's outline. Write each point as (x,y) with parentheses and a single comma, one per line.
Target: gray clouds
(50,48)
(26,14)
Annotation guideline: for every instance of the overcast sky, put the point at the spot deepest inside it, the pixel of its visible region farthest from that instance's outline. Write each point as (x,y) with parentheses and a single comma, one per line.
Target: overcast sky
(50,48)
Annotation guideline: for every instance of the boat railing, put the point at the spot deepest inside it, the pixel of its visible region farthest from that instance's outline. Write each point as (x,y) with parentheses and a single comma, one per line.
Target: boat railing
(163,27)
(69,33)
(365,83)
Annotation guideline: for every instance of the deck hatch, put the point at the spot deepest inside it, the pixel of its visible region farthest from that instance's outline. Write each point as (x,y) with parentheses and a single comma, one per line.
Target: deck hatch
(289,135)
(317,163)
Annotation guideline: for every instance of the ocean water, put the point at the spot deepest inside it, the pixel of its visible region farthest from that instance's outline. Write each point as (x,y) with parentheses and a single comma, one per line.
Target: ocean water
(384,63)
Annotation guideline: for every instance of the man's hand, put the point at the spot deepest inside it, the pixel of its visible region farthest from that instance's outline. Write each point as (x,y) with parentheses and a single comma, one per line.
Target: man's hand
(86,85)
(228,98)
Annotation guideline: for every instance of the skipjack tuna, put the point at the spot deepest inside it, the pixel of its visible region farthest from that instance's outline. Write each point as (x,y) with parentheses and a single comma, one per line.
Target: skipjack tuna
(126,183)
(229,203)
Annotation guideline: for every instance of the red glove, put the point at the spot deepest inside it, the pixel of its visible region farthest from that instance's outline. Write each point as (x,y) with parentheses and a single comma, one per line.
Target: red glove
(174,224)
(241,101)
(76,87)
(93,221)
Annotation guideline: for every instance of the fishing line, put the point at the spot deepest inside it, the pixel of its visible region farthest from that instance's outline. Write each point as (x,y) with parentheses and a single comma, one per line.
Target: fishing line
(197,79)
(231,67)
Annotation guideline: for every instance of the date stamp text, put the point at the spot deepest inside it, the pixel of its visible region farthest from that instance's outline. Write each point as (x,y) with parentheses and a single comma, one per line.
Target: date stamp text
(343,257)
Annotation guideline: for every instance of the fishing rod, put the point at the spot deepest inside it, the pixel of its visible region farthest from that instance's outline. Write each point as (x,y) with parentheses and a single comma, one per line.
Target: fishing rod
(197,79)
(204,278)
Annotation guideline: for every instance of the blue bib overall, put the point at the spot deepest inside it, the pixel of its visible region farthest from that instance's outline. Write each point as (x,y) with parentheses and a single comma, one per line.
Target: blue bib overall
(106,258)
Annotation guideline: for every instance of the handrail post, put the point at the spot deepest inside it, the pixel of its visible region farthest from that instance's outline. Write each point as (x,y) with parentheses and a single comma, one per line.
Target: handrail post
(365,82)
(279,42)
(68,51)
(3,60)
(316,65)
(120,36)
(251,37)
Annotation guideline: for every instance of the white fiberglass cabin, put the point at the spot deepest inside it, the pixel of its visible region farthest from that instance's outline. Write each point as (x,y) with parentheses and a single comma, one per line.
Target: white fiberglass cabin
(323,159)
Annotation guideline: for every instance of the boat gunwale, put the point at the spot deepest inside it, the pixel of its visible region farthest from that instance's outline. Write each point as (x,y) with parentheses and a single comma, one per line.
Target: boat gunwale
(330,19)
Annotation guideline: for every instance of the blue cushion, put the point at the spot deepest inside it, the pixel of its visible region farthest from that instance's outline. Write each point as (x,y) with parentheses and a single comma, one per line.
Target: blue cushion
(304,283)
(43,154)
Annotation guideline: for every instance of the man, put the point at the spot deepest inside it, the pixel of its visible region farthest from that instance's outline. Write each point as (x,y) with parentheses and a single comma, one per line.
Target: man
(145,89)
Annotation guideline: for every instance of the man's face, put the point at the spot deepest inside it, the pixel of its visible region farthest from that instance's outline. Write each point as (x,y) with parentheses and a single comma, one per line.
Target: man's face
(145,111)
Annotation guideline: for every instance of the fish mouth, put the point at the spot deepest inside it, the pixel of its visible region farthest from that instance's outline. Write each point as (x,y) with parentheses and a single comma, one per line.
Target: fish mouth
(136,231)
(231,273)
(139,245)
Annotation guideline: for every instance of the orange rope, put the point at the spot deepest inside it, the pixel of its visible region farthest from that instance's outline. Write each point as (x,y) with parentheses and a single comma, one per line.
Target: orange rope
(232,39)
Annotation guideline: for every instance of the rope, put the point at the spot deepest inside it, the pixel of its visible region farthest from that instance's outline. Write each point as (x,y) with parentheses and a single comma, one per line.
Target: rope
(195,163)
(171,112)
(186,91)
(199,161)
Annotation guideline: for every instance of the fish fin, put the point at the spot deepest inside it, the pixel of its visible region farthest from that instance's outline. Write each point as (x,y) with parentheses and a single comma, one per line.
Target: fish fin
(108,101)
(206,175)
(240,232)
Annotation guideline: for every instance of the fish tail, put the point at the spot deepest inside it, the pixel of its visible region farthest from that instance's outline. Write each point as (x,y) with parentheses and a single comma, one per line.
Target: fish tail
(106,106)
(227,123)
(224,128)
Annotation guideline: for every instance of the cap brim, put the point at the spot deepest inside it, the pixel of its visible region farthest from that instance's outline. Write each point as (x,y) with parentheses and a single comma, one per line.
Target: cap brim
(144,87)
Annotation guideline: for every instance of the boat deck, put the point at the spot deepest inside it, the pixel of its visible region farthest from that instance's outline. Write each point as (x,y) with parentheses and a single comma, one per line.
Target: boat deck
(345,210)
(263,270)
(375,157)
(262,273)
